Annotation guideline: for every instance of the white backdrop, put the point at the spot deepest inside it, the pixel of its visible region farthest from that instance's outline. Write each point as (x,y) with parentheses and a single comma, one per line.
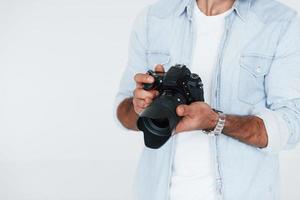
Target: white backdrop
(60,64)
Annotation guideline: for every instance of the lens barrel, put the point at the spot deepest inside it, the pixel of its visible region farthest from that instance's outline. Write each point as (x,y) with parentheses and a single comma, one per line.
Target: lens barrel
(159,119)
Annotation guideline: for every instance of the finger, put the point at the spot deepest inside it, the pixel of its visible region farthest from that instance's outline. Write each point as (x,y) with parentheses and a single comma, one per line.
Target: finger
(148,101)
(139,85)
(182,126)
(182,110)
(178,128)
(143,94)
(159,68)
(138,110)
(154,92)
(143,78)
(140,103)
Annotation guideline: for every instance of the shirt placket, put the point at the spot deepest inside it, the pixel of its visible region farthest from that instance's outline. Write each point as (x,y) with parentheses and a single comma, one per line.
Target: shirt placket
(216,101)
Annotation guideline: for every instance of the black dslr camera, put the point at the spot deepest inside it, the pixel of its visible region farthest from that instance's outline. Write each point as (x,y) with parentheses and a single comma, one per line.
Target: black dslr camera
(177,86)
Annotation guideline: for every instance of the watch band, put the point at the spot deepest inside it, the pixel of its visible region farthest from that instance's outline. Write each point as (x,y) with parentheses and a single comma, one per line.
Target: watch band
(220,124)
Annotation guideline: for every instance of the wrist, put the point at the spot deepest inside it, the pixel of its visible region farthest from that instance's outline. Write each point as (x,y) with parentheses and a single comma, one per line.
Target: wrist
(218,125)
(213,120)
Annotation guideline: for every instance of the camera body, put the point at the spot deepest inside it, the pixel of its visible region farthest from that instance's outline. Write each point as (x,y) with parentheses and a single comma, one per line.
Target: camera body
(176,86)
(178,80)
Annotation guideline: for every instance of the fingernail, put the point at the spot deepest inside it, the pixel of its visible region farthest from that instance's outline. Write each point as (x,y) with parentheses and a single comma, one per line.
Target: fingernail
(179,110)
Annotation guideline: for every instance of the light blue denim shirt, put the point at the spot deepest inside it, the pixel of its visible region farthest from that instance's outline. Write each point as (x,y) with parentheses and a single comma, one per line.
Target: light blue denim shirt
(257,73)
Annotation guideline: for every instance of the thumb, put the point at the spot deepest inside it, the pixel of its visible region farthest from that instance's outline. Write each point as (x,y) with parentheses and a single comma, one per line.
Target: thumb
(159,68)
(182,110)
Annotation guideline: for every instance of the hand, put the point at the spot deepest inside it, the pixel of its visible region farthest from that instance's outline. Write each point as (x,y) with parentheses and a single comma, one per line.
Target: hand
(143,98)
(196,116)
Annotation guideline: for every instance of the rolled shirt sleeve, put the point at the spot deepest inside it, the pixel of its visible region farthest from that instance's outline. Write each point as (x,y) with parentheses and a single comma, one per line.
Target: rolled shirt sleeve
(282,86)
(137,62)
(277,129)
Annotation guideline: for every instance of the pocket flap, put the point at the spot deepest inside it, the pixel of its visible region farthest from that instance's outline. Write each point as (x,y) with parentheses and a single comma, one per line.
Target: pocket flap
(256,65)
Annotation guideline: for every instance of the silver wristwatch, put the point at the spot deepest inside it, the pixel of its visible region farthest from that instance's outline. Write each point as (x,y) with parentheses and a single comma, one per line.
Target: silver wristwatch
(220,125)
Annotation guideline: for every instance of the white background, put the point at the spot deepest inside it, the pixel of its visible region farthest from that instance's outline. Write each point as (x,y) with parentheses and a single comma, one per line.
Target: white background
(60,64)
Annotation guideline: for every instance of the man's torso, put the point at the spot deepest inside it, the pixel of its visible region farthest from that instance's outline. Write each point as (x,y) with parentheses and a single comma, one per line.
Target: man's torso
(244,58)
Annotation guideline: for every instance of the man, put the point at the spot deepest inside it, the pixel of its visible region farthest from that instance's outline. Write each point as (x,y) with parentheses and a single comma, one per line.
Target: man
(247,53)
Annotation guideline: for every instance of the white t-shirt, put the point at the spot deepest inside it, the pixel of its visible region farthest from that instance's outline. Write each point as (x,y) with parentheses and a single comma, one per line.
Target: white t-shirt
(193,176)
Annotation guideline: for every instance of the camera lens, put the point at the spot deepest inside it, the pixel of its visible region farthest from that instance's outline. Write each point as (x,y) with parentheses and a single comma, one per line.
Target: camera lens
(161,123)
(158,124)
(176,86)
(159,119)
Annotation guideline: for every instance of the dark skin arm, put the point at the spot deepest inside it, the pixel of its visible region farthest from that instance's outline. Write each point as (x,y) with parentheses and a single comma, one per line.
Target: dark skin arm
(248,129)
(199,115)
(126,114)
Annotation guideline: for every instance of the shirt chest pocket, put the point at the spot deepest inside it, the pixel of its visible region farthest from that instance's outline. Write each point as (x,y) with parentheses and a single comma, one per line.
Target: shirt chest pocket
(157,57)
(253,69)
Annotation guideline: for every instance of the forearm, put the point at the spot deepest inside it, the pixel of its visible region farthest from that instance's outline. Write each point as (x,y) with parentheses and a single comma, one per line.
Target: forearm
(248,129)
(126,114)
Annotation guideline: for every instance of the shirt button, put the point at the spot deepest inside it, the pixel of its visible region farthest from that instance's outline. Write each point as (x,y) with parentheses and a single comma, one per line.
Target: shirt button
(258,69)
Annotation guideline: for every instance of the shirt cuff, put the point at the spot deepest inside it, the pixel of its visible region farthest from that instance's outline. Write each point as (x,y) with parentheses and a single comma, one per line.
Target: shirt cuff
(277,129)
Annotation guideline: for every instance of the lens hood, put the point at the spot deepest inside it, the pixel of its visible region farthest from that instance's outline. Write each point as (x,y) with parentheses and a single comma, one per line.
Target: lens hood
(158,121)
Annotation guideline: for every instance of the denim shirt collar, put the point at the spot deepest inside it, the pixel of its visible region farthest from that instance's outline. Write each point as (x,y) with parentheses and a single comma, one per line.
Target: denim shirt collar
(241,7)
